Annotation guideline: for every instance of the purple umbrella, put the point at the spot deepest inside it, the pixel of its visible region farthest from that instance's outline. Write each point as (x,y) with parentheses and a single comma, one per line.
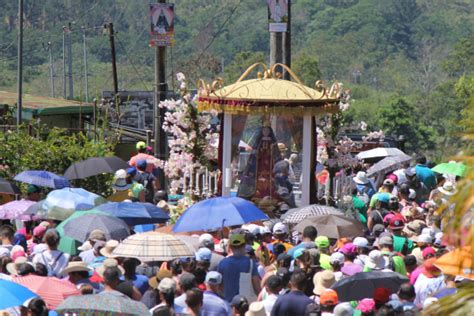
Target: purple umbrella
(15,210)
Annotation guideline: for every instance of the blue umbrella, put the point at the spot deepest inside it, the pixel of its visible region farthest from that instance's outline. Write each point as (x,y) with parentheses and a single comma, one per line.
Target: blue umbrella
(218,212)
(42,178)
(135,213)
(13,294)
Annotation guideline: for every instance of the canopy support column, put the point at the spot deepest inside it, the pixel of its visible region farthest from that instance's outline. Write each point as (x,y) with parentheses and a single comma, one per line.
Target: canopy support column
(226,157)
(308,154)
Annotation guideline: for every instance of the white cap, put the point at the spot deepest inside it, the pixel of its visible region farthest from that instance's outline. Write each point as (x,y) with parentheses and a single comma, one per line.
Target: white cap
(428,231)
(337,257)
(280,228)
(206,240)
(425,238)
(412,194)
(265,230)
(361,242)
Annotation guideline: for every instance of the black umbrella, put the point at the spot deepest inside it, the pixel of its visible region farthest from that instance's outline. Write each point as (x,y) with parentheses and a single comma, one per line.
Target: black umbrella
(363,284)
(8,188)
(94,166)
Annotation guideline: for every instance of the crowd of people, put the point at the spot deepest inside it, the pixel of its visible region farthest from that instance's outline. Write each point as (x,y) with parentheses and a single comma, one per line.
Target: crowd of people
(264,269)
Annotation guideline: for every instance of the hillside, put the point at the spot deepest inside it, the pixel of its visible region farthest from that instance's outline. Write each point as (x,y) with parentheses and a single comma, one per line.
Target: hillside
(412,55)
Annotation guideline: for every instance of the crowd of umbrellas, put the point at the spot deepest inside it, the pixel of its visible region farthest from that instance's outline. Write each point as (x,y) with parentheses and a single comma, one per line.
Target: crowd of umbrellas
(80,212)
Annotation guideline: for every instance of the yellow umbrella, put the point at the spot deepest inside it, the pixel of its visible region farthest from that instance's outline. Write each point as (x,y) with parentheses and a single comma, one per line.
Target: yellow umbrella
(457,262)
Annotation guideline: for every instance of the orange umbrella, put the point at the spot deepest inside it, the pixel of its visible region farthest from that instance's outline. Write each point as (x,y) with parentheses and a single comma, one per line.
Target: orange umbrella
(457,262)
(52,290)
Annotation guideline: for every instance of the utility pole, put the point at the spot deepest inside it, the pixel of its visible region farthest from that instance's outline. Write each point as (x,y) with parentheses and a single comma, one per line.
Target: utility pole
(160,143)
(64,62)
(48,48)
(110,27)
(69,55)
(287,44)
(20,64)
(276,52)
(86,81)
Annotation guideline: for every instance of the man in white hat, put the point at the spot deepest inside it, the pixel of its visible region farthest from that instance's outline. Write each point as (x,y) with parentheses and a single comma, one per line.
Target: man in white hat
(365,188)
(120,186)
(78,274)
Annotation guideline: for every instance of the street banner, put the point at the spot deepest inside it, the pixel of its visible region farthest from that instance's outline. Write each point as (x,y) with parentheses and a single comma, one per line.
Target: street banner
(162,24)
(277,15)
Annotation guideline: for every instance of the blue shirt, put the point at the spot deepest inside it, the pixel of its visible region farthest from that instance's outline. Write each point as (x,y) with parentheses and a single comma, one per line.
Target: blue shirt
(293,303)
(304,245)
(426,175)
(140,282)
(366,188)
(213,305)
(230,268)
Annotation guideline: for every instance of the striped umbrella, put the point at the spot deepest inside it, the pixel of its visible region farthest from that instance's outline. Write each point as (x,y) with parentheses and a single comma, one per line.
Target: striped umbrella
(153,246)
(52,290)
(296,215)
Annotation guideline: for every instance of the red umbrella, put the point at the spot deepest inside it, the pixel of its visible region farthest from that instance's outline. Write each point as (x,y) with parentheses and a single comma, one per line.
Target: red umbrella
(52,290)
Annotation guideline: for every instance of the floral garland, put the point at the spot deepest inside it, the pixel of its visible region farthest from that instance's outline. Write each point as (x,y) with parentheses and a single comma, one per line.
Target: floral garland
(193,144)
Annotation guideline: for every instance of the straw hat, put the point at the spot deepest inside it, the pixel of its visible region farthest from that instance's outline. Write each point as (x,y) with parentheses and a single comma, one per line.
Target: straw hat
(109,247)
(256,309)
(323,280)
(361,178)
(76,266)
(108,263)
(448,188)
(13,267)
(160,275)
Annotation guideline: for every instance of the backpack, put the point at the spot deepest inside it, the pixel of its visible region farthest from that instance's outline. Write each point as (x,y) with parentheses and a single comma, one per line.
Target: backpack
(391,262)
(363,195)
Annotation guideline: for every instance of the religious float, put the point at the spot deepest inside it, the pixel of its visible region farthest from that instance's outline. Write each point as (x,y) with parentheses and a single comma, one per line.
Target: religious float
(267,143)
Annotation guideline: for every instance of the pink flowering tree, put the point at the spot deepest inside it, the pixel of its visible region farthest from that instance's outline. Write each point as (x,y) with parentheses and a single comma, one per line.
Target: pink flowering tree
(193,142)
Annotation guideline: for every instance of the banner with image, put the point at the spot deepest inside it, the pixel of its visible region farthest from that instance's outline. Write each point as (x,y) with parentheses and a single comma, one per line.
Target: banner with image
(277,15)
(162,24)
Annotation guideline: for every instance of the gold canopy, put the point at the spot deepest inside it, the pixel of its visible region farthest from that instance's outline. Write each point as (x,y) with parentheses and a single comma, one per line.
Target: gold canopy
(269,94)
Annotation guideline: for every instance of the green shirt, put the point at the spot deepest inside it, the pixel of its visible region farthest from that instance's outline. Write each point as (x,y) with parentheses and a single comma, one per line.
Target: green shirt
(399,241)
(359,205)
(325,261)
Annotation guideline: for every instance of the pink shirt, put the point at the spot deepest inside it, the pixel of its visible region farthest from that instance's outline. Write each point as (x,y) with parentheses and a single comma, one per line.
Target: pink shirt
(152,162)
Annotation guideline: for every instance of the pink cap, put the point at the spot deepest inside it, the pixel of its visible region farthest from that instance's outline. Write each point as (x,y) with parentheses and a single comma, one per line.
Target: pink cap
(39,231)
(428,251)
(17,254)
(366,305)
(348,249)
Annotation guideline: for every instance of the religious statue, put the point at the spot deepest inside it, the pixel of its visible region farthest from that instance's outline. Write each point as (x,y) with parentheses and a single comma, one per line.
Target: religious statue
(257,179)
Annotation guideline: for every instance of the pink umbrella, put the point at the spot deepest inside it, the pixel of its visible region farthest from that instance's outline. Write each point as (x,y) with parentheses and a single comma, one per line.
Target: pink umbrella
(15,210)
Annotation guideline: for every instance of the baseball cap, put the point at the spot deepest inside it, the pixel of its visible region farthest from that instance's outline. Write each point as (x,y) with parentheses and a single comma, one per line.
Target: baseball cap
(361,242)
(206,240)
(388,182)
(383,197)
(427,252)
(39,231)
(378,228)
(187,280)
(97,234)
(298,252)
(213,277)
(32,189)
(322,242)
(328,297)
(348,249)
(386,241)
(410,172)
(397,222)
(236,240)
(140,145)
(203,254)
(141,164)
(424,238)
(280,228)
(237,300)
(167,285)
(337,257)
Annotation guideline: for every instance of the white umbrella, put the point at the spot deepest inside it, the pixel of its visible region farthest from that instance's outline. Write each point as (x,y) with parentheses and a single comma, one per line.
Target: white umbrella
(380,152)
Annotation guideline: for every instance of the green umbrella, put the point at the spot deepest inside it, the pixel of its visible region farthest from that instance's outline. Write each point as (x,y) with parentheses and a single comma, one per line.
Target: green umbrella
(451,168)
(101,304)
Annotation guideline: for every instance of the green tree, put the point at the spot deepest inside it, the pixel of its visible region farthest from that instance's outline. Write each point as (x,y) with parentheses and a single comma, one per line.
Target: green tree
(403,118)
(307,69)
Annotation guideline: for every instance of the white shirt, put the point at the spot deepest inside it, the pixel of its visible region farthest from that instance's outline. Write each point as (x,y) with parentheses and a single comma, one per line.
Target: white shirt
(425,287)
(269,302)
(55,261)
